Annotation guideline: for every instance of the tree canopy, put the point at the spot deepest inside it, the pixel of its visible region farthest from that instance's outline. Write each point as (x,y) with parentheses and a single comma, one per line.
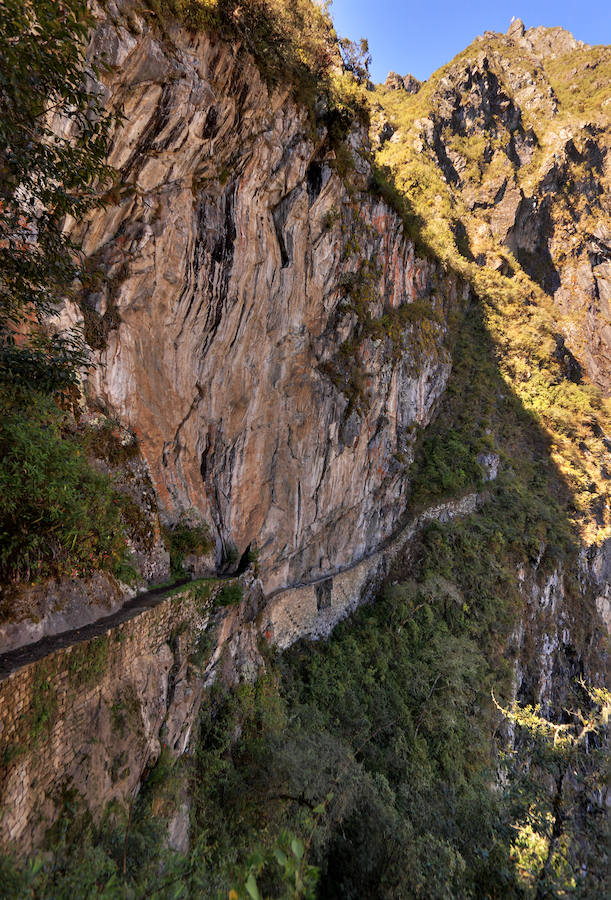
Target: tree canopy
(54,135)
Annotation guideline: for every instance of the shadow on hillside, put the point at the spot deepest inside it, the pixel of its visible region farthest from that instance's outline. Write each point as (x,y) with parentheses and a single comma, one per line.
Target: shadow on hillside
(389,729)
(530,517)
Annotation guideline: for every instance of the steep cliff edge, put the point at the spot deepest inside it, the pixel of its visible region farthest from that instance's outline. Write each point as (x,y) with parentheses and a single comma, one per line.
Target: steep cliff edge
(266,329)
(517,130)
(359,370)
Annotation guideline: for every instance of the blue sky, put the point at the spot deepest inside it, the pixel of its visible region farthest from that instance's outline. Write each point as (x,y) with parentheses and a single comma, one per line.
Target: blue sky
(418,36)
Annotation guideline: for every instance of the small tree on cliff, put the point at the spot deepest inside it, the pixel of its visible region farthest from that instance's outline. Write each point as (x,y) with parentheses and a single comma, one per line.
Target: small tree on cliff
(356,58)
(58,515)
(54,138)
(558,794)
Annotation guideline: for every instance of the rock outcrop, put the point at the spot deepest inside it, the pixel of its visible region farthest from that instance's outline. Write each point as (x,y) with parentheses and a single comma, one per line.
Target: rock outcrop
(266,330)
(407,83)
(560,639)
(508,147)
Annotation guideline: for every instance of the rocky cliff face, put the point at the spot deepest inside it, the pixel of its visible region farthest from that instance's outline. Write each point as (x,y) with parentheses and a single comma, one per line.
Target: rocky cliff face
(264,325)
(266,330)
(560,639)
(518,126)
(507,149)
(230,332)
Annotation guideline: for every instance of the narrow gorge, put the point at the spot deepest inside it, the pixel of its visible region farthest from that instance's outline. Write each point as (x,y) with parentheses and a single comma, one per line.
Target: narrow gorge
(306,549)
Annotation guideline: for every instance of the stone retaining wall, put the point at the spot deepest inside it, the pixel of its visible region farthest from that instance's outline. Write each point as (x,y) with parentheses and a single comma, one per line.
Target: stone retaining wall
(313,610)
(94,716)
(91,717)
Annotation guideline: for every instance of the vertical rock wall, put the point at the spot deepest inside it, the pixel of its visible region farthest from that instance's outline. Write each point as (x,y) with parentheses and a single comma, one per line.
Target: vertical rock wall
(228,332)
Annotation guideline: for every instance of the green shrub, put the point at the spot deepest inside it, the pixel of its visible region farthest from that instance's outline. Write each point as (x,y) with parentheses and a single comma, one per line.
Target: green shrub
(59,516)
(229,594)
(125,710)
(88,661)
(183,539)
(11,752)
(449,465)
(44,702)
(330,218)
(293,43)
(204,645)
(106,441)
(45,177)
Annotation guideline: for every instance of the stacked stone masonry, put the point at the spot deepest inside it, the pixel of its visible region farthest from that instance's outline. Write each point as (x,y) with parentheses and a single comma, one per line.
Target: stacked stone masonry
(92,717)
(313,610)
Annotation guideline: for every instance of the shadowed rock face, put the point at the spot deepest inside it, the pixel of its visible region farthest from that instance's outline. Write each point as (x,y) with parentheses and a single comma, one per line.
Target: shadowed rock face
(226,331)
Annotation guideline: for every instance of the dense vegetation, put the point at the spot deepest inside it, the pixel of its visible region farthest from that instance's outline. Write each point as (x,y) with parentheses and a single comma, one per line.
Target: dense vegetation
(59,516)
(381,748)
(53,146)
(293,44)
(49,492)
(518,314)
(371,765)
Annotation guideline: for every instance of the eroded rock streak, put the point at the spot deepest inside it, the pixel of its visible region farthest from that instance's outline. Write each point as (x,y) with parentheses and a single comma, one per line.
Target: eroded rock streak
(228,333)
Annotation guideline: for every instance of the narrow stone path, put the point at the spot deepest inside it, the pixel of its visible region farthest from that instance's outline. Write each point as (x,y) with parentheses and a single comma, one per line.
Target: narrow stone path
(301,611)
(22,656)
(441,512)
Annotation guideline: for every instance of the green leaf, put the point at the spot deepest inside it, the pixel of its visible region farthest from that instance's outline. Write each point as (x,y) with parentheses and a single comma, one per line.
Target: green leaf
(297,847)
(251,886)
(281,857)
(36,865)
(255,860)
